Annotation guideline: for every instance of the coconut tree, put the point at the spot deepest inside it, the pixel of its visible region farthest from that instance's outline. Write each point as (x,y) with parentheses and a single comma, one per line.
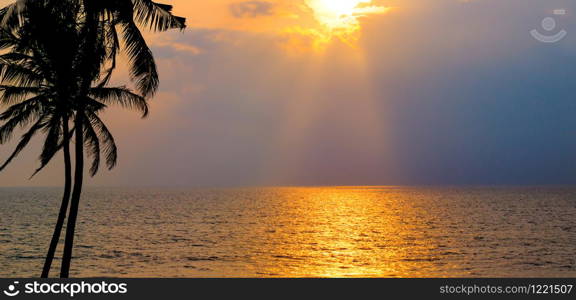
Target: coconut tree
(102,25)
(37,79)
(102,20)
(34,81)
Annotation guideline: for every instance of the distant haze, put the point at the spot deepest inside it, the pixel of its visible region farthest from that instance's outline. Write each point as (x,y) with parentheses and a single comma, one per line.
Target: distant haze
(432,92)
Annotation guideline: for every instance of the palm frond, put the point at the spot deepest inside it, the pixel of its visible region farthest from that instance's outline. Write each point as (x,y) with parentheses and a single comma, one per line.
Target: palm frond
(32,104)
(107,139)
(47,157)
(142,66)
(16,94)
(15,57)
(157,16)
(93,105)
(19,116)
(93,146)
(121,96)
(7,38)
(113,45)
(11,15)
(52,141)
(23,143)
(19,74)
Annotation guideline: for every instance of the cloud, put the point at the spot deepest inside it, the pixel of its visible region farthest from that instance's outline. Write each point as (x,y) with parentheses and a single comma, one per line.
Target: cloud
(437,92)
(251,9)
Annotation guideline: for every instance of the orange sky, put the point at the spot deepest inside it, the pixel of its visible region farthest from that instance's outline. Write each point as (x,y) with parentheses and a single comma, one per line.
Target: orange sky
(266,94)
(297,24)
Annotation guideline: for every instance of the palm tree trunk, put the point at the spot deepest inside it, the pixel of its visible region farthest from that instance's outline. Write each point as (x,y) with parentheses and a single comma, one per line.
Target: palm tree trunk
(76,193)
(86,65)
(65,199)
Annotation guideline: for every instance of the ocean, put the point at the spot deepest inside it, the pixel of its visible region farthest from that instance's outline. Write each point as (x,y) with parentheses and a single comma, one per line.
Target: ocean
(299,232)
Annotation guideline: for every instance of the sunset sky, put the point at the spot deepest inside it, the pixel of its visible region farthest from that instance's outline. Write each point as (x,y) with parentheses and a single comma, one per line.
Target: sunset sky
(321,92)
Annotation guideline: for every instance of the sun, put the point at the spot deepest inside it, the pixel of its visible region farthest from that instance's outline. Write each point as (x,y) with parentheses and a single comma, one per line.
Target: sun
(341,16)
(331,20)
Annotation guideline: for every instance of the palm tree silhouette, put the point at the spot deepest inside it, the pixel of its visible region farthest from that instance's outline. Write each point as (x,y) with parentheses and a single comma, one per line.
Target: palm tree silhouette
(101,21)
(36,70)
(87,95)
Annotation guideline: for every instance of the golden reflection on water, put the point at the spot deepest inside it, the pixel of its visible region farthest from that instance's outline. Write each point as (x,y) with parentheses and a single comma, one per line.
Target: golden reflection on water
(346,232)
(300,232)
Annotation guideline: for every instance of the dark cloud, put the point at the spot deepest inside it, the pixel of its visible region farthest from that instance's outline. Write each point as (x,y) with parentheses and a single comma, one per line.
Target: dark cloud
(251,9)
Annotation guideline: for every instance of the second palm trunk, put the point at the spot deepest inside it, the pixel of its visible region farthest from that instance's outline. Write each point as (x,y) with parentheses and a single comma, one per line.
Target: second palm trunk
(76,193)
(65,200)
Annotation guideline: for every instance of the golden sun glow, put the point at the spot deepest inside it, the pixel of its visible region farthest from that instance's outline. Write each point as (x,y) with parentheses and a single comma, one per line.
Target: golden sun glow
(341,17)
